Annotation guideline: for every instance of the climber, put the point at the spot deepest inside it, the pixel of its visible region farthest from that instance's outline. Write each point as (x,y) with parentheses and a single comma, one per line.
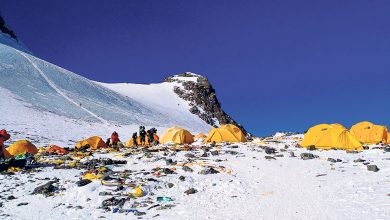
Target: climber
(135,138)
(142,134)
(114,140)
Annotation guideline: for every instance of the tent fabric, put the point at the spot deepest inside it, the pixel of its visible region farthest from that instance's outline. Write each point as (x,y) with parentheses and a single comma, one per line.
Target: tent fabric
(200,136)
(369,133)
(177,135)
(388,138)
(327,136)
(53,149)
(6,154)
(130,142)
(94,142)
(225,133)
(22,147)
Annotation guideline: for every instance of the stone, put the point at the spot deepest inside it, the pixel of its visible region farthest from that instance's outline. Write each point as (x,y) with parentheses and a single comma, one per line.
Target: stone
(114,202)
(83,182)
(208,171)
(270,150)
(182,178)
(190,191)
(170,185)
(214,153)
(47,189)
(359,160)
(373,168)
(292,154)
(270,158)
(308,156)
(187,169)
(312,147)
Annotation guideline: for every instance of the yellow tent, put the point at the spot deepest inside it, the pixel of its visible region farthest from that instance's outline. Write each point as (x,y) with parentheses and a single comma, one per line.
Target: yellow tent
(22,147)
(130,142)
(94,142)
(177,135)
(369,133)
(327,136)
(226,133)
(388,138)
(200,136)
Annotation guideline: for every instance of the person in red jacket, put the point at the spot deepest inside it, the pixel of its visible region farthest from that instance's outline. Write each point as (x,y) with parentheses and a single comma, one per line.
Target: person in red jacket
(114,140)
(4,133)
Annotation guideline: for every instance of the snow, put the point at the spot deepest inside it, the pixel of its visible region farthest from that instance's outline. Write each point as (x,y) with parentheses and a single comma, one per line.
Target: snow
(257,188)
(59,95)
(161,97)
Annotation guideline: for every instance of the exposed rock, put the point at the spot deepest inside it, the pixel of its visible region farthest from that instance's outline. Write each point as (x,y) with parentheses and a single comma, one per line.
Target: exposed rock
(190,191)
(170,185)
(114,202)
(373,168)
(182,178)
(359,160)
(187,169)
(214,153)
(202,98)
(208,171)
(6,30)
(308,156)
(47,189)
(270,150)
(22,204)
(83,182)
(270,158)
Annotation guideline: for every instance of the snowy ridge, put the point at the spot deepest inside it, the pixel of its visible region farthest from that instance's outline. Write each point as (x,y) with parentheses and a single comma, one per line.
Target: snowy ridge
(43,88)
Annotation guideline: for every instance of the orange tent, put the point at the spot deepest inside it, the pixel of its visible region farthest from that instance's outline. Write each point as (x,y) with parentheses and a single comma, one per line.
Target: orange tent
(22,147)
(94,143)
(6,154)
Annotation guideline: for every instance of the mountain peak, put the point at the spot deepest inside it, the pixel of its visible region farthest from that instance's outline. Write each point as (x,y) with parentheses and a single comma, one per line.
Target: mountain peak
(9,38)
(201,96)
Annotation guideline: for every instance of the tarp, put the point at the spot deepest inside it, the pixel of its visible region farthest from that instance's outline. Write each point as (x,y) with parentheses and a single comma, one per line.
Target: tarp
(225,133)
(22,147)
(177,135)
(369,133)
(327,136)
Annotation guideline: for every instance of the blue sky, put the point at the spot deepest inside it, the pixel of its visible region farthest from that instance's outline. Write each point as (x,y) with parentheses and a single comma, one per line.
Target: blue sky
(276,65)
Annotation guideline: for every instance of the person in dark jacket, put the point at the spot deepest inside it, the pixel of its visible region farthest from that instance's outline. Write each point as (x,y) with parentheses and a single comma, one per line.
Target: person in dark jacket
(135,138)
(142,134)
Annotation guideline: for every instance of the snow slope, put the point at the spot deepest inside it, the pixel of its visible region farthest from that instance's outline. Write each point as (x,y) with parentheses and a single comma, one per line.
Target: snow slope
(159,97)
(41,87)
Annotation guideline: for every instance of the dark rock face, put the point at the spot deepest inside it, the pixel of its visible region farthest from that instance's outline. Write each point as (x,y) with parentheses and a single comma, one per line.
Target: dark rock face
(6,30)
(202,99)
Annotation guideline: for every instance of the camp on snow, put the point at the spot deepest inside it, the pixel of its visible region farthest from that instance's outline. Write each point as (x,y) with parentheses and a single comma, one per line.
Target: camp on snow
(328,136)
(225,133)
(369,133)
